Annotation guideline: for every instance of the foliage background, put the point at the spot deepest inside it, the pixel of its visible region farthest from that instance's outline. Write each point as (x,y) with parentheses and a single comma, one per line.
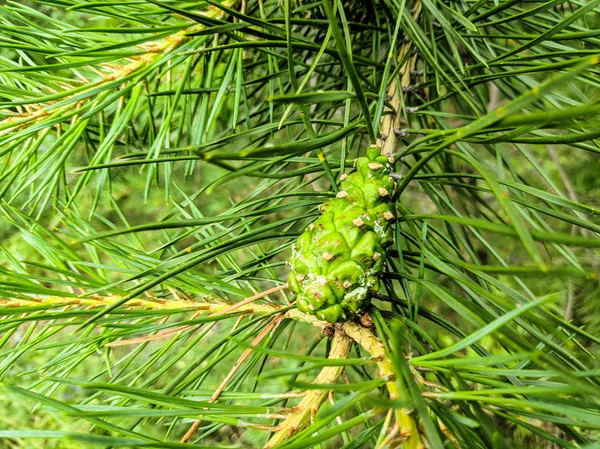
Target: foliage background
(112,120)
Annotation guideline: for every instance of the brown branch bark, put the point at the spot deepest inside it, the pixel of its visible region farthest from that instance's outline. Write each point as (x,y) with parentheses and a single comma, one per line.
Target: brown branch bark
(390,123)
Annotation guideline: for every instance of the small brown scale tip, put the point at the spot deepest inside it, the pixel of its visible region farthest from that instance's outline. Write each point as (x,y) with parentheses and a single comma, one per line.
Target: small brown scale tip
(374,166)
(341,194)
(347,284)
(358,222)
(343,177)
(376,256)
(383,192)
(328,256)
(388,215)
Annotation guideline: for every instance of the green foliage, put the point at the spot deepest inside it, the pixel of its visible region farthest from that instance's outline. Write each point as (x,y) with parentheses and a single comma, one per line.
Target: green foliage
(159,159)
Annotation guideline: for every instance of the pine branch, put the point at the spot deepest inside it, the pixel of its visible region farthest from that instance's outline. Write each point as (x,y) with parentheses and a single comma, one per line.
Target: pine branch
(390,128)
(151,52)
(313,399)
(408,428)
(201,151)
(93,303)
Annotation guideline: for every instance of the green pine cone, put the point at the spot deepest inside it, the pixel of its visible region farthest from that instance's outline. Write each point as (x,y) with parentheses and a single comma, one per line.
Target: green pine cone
(335,263)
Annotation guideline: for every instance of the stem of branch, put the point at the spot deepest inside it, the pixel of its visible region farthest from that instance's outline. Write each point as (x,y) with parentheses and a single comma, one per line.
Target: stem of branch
(153,50)
(409,430)
(312,401)
(390,123)
(314,398)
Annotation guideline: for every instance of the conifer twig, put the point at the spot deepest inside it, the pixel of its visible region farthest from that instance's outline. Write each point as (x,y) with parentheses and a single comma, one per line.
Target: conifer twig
(390,123)
(216,308)
(251,299)
(409,431)
(152,51)
(94,302)
(312,401)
